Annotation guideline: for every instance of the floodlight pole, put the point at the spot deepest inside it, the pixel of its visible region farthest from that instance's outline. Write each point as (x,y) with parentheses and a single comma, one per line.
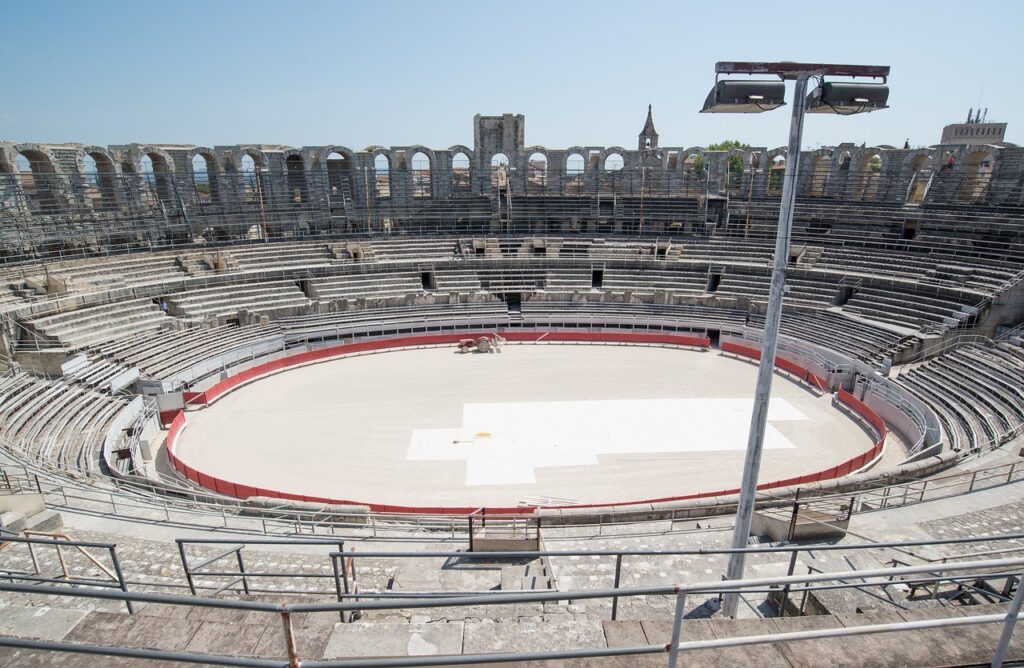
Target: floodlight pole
(758,419)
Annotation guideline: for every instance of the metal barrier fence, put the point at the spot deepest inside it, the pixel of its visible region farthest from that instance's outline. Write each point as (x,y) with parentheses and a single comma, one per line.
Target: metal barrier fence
(676,644)
(96,494)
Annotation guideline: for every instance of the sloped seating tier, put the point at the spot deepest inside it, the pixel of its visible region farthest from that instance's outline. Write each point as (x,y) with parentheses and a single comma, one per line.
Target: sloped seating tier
(403,319)
(833,330)
(59,423)
(978,390)
(226,301)
(556,313)
(278,256)
(172,352)
(95,325)
(375,284)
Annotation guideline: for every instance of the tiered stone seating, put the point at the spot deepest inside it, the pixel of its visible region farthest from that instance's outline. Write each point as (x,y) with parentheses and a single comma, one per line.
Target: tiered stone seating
(408,318)
(87,276)
(225,301)
(907,310)
(373,284)
(170,353)
(979,389)
(94,325)
(412,249)
(679,279)
(280,256)
(61,424)
(540,311)
(835,331)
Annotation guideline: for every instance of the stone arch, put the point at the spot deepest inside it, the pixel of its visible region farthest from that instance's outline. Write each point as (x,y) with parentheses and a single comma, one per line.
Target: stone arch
(99,170)
(295,170)
(205,174)
(613,162)
(869,173)
(499,169)
(35,171)
(382,173)
(250,165)
(820,169)
(537,170)
(917,169)
(462,165)
(421,163)
(775,170)
(614,150)
(575,167)
(340,163)
(978,165)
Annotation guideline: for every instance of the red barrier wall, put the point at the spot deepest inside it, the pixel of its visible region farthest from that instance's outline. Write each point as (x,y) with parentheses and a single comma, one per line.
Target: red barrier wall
(244,491)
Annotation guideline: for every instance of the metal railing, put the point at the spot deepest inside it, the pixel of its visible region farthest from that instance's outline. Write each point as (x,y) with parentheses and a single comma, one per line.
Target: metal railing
(861,579)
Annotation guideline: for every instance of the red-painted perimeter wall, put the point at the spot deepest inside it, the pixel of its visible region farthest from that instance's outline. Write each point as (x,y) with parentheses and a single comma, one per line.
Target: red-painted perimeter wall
(245,491)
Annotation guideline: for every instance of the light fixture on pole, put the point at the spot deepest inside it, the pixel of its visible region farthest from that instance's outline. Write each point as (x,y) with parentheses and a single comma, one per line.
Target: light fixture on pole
(747,96)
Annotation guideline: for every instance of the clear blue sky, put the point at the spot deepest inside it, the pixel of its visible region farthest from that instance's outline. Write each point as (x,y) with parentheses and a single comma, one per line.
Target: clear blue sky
(394,73)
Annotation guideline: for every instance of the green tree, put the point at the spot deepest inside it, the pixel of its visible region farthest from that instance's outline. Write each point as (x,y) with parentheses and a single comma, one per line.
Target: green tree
(735,161)
(875,164)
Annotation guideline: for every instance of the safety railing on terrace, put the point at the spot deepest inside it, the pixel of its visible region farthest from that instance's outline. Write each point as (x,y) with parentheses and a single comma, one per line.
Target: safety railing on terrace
(674,645)
(190,507)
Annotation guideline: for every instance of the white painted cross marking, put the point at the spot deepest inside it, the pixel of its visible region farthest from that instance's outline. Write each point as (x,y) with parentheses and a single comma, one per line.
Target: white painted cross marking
(504,443)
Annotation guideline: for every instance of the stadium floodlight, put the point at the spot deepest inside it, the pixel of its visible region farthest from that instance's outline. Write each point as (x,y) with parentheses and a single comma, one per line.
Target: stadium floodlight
(837,98)
(744,97)
(845,98)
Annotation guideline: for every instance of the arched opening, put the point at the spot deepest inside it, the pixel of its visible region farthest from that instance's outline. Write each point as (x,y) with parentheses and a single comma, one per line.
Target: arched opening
(460,172)
(574,167)
(977,176)
(382,175)
(156,176)
(36,177)
(35,174)
(100,181)
(537,172)
(252,182)
(421,175)
(202,178)
(339,170)
(920,179)
(295,168)
(694,174)
(844,161)
(776,172)
(499,170)
(614,162)
(821,168)
(611,176)
(868,176)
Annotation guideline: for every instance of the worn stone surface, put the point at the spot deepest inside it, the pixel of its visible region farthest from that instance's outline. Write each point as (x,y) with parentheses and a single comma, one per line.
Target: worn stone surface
(484,637)
(361,639)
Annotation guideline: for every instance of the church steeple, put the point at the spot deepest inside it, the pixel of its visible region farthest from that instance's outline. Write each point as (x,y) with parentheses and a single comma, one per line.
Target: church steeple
(648,136)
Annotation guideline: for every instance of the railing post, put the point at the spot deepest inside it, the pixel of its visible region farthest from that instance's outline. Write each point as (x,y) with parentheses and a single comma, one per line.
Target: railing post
(974,476)
(241,570)
(289,639)
(677,627)
(618,575)
(1011,621)
(784,599)
(120,578)
(184,566)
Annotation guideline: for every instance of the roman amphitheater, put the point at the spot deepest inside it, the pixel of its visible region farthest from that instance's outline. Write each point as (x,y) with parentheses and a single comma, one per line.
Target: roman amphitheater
(274,406)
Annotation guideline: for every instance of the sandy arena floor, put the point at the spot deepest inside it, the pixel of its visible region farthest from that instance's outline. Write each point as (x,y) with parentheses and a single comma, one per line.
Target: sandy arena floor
(533,424)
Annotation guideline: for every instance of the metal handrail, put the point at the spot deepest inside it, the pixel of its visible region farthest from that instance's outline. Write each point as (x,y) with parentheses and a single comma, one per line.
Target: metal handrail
(882,577)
